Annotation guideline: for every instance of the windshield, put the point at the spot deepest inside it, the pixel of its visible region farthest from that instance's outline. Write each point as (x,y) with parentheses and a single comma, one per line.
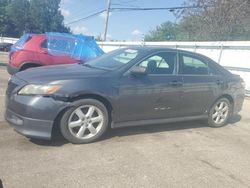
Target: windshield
(114,60)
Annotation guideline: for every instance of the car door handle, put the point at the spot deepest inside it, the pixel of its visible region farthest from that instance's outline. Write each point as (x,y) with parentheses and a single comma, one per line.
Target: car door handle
(219,82)
(43,52)
(175,83)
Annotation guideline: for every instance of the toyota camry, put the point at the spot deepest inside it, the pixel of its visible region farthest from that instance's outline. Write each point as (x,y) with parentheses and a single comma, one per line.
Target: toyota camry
(126,87)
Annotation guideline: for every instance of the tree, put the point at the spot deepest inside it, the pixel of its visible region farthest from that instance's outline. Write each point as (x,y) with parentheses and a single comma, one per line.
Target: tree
(218,19)
(166,31)
(46,16)
(17,17)
(35,16)
(3,16)
(212,20)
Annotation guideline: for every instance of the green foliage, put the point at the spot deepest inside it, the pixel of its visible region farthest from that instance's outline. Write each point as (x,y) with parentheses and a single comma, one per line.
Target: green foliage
(35,16)
(17,17)
(3,15)
(217,20)
(166,31)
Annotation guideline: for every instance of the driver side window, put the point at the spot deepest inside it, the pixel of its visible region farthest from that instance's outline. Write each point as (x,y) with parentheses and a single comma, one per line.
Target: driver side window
(161,63)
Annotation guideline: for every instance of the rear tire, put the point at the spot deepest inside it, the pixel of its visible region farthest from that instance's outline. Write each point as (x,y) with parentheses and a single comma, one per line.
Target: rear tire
(220,113)
(85,122)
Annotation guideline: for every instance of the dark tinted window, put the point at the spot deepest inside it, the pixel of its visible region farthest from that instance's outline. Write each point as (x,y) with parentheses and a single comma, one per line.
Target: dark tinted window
(193,66)
(44,44)
(161,63)
(212,70)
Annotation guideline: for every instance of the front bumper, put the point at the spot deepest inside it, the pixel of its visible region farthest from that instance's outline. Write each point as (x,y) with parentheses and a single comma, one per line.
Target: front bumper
(12,70)
(32,128)
(33,116)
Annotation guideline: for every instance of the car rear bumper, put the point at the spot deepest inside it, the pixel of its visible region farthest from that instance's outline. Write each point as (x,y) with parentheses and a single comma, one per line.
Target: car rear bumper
(12,70)
(33,116)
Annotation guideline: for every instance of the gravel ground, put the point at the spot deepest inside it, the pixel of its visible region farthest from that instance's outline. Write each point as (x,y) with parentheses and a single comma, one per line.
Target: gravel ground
(187,154)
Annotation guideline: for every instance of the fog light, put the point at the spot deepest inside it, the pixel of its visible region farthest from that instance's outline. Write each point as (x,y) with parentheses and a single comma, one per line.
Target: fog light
(16,120)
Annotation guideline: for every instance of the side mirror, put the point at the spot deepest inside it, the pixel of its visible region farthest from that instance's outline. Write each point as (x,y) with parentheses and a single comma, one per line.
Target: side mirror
(136,70)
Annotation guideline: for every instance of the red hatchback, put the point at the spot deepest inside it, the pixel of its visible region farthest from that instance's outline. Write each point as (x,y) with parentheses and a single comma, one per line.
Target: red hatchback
(42,49)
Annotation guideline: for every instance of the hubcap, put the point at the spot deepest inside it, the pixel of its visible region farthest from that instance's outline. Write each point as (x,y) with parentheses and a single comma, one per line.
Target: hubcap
(85,122)
(220,112)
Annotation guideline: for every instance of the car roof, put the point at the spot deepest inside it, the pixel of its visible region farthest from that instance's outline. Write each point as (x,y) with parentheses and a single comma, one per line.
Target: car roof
(155,49)
(147,49)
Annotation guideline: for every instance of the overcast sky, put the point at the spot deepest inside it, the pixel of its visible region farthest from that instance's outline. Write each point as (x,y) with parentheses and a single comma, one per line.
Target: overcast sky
(122,25)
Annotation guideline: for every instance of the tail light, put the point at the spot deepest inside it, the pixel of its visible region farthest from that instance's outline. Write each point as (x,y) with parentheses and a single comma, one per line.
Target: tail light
(13,54)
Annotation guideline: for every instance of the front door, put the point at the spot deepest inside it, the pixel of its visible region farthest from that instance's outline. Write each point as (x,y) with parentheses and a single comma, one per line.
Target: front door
(155,95)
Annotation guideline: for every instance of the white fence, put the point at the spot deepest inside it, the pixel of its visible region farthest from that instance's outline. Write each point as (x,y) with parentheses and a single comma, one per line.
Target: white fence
(8,40)
(235,56)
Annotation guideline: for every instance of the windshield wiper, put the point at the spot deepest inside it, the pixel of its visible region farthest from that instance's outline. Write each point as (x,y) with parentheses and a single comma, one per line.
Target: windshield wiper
(88,65)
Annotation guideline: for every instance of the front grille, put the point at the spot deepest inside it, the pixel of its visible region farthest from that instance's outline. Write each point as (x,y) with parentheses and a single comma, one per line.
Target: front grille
(14,84)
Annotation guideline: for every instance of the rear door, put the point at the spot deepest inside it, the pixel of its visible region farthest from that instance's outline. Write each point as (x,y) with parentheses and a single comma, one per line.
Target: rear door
(61,50)
(155,95)
(44,57)
(201,84)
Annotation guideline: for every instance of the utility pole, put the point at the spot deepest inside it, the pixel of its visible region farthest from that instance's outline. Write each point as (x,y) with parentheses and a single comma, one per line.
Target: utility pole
(107,20)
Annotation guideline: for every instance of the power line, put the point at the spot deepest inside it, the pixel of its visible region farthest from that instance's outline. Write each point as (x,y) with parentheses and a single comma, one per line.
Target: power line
(120,4)
(85,18)
(155,8)
(129,3)
(80,13)
(135,9)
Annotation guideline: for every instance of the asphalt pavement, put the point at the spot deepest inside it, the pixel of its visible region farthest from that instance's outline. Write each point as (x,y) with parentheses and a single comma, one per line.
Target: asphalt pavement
(187,154)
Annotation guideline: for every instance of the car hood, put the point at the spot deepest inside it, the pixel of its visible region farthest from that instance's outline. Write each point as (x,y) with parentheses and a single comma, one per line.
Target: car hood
(59,72)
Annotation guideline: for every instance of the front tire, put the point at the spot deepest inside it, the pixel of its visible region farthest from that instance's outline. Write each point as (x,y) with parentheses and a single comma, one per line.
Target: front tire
(220,113)
(85,122)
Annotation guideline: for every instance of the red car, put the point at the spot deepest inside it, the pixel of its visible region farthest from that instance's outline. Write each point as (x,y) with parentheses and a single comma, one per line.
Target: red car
(34,50)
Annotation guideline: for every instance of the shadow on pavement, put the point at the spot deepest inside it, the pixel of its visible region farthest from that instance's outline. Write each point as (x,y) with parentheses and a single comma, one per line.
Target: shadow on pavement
(1,184)
(234,119)
(58,139)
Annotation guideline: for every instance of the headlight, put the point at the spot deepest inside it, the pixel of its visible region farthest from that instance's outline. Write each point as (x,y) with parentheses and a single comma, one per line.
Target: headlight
(39,89)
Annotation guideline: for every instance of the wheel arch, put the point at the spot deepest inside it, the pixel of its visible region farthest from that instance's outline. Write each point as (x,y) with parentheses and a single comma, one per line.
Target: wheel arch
(26,65)
(227,96)
(103,100)
(98,97)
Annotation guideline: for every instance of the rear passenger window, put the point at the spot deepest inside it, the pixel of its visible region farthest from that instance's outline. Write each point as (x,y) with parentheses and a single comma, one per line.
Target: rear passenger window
(44,44)
(60,46)
(193,66)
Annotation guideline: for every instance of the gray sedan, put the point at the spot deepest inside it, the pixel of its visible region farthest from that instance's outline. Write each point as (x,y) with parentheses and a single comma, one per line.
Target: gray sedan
(126,87)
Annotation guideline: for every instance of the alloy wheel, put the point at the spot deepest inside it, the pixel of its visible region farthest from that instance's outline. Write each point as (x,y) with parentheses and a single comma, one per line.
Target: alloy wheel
(220,112)
(85,121)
